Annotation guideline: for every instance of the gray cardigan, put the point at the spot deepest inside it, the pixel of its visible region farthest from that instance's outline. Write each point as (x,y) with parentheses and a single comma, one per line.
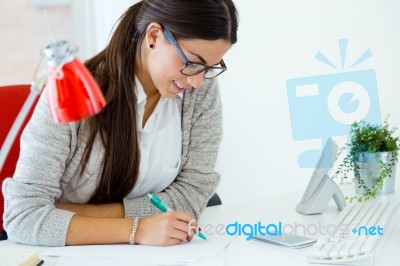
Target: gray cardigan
(51,154)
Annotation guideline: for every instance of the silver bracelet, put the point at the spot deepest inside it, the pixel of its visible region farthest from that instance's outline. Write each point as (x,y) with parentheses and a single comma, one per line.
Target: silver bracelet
(134,228)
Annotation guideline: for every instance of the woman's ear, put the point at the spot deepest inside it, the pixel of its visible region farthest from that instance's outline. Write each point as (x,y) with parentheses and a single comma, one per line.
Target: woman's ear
(153,35)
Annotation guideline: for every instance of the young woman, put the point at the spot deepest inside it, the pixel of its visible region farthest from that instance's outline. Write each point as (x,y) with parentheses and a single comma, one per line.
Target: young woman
(86,182)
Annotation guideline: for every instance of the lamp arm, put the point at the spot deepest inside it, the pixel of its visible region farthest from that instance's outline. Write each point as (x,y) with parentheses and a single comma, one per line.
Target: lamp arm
(36,88)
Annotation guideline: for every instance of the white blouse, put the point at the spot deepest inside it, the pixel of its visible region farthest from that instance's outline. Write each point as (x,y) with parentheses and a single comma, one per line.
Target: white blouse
(160,143)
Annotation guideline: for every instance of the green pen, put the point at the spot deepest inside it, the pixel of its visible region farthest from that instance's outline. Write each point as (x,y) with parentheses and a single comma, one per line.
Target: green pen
(164,208)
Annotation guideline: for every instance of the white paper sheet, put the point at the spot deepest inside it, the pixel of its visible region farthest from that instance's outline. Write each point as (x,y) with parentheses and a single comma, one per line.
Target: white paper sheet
(182,254)
(219,260)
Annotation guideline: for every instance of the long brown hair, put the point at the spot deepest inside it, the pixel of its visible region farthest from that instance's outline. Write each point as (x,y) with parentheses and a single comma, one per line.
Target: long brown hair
(113,69)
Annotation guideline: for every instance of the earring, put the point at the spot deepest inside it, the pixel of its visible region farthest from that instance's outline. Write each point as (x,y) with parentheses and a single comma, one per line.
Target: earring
(152,46)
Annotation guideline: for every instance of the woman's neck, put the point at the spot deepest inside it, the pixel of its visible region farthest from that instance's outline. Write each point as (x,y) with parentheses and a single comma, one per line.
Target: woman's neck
(141,72)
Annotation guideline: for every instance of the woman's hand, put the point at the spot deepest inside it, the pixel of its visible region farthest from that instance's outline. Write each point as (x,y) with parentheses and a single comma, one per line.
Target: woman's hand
(166,229)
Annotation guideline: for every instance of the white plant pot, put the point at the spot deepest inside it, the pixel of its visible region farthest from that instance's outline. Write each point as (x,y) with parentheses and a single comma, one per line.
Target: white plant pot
(370,170)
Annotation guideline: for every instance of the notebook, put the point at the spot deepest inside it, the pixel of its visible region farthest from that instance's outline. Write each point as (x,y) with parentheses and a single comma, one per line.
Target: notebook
(12,256)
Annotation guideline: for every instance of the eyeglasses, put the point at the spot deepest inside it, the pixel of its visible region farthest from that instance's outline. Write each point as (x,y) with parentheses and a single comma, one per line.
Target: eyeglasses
(192,68)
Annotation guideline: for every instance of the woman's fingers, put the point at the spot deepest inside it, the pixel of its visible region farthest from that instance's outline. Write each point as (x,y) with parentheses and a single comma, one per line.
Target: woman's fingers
(188,225)
(166,229)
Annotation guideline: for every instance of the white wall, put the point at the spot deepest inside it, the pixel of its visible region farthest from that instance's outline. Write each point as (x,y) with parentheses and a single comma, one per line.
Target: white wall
(93,22)
(51,3)
(278,40)
(24,32)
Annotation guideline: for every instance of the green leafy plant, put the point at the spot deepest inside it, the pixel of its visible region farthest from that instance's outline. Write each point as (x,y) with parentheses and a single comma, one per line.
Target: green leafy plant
(368,138)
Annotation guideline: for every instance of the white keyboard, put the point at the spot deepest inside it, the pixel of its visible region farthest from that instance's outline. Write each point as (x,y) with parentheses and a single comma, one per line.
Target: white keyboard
(353,243)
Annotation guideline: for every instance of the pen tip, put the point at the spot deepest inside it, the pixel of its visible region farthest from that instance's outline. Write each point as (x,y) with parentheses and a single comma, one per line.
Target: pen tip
(202,236)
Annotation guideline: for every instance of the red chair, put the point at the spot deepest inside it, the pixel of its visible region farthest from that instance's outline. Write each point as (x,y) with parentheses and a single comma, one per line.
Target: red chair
(11,100)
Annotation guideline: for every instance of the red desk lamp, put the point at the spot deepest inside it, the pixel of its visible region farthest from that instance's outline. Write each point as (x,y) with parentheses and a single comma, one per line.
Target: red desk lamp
(73,93)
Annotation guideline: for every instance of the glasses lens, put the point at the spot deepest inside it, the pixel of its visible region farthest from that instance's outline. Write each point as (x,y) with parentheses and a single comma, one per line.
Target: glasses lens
(213,72)
(192,69)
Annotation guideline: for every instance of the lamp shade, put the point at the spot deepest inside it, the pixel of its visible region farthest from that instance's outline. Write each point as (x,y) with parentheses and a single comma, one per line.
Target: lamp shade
(73,92)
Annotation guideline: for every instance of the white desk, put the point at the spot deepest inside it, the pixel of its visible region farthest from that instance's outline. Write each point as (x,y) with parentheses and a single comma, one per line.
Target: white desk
(272,210)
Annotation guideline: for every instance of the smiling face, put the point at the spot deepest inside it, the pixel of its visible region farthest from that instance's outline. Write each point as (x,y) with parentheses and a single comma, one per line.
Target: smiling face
(159,70)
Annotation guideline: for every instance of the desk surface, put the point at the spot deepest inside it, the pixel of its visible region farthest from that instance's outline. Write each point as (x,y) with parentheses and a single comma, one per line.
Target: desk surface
(272,210)
(282,208)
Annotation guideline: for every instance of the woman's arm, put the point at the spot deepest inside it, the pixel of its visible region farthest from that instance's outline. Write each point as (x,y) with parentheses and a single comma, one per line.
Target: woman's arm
(105,223)
(164,229)
(29,213)
(111,210)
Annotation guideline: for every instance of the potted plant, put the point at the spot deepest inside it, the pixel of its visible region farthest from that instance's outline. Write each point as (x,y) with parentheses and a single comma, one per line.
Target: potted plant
(373,154)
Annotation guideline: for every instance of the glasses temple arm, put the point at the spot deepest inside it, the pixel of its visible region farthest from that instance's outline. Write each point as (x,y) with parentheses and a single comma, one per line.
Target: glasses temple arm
(172,40)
